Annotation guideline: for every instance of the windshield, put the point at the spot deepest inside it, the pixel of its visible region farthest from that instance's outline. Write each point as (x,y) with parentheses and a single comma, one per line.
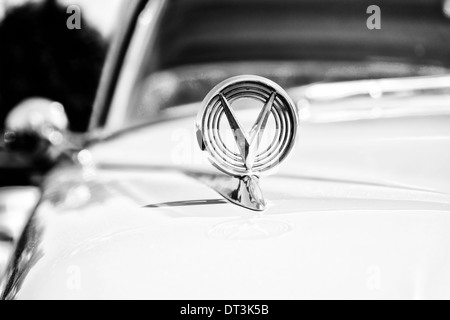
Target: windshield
(198,43)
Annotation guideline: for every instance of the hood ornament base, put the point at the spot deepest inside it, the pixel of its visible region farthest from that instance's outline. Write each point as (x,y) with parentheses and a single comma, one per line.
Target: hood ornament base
(249,157)
(244,192)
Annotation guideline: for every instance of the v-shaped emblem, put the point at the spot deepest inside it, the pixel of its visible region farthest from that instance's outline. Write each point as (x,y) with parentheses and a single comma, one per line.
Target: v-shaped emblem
(248,145)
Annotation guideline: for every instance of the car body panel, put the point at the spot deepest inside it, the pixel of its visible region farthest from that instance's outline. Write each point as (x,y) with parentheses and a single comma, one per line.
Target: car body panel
(356,219)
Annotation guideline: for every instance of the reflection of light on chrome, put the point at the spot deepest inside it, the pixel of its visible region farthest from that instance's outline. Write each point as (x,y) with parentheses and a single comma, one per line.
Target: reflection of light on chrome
(249,229)
(337,90)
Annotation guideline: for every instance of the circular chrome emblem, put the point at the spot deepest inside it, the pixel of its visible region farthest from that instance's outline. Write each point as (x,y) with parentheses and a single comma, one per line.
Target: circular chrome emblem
(251,151)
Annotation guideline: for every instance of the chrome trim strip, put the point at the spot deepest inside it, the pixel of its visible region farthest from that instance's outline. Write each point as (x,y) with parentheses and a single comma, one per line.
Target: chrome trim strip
(373,99)
(114,61)
(132,68)
(375,88)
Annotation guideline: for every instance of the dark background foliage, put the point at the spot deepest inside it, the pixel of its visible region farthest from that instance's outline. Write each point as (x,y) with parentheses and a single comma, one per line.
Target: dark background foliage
(40,56)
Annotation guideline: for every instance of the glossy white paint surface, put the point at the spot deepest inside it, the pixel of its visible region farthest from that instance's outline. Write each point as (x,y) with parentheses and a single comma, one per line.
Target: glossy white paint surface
(362,210)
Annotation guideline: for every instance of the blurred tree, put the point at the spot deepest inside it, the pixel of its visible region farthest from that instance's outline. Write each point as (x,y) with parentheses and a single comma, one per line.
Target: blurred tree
(41,57)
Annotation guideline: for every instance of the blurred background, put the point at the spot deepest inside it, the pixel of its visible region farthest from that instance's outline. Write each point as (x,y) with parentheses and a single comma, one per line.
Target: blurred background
(100,13)
(41,57)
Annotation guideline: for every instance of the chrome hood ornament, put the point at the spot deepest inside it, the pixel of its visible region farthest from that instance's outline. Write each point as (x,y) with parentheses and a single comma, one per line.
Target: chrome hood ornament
(252,153)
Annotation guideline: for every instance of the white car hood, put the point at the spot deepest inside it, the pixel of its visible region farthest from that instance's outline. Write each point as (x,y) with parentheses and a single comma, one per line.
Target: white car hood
(361,211)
